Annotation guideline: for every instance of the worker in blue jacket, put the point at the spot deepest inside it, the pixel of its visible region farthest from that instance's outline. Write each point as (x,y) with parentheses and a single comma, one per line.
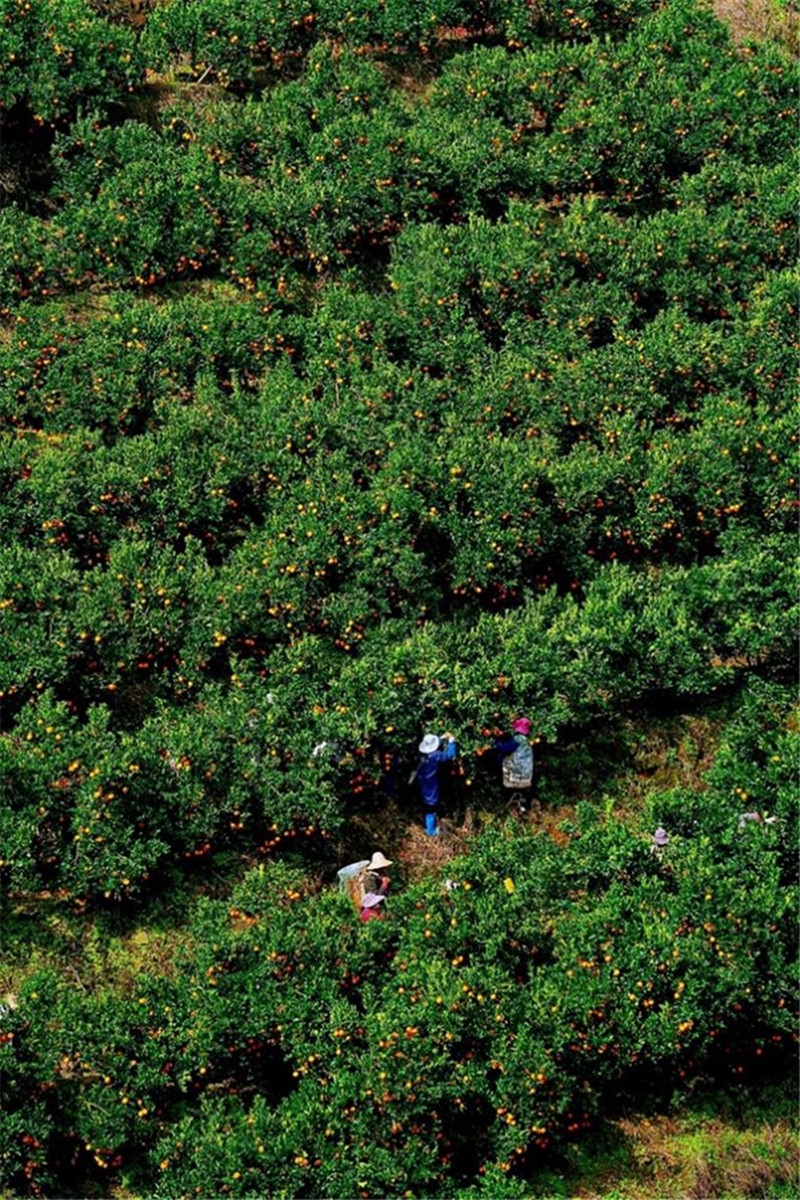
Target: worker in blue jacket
(433,753)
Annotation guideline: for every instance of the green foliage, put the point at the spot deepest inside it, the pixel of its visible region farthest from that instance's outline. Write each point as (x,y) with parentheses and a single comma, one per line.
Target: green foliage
(325,171)
(445,379)
(479,1026)
(135,209)
(234,37)
(228,34)
(58,56)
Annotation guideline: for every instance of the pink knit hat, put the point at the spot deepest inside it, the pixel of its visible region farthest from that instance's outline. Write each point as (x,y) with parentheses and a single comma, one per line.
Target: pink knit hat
(522,725)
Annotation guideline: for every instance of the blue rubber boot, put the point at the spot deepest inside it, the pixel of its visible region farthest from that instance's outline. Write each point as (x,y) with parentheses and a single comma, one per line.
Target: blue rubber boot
(430,824)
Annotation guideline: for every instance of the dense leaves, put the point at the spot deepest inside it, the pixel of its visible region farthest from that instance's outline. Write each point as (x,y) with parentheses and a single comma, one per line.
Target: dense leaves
(374,370)
(234,37)
(544,461)
(56,55)
(484,1023)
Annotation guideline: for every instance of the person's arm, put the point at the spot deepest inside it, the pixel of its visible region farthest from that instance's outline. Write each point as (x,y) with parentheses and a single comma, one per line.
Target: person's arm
(450,749)
(506,745)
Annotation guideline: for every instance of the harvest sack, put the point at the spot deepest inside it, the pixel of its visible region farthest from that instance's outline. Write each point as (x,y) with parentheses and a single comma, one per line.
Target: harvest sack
(518,767)
(351,881)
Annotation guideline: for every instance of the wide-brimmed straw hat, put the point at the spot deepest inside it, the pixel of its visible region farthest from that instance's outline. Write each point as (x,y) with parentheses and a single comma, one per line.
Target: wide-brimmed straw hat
(378,862)
(372,900)
(429,743)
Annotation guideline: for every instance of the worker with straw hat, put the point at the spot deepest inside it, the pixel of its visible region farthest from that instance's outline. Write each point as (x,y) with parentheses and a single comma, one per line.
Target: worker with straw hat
(375,877)
(432,757)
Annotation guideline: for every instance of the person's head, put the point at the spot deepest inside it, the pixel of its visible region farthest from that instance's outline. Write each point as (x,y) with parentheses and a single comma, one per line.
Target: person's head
(429,743)
(522,725)
(660,837)
(378,862)
(371,900)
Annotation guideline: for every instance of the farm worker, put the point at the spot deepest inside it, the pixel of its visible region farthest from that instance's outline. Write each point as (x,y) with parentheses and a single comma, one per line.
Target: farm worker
(517,756)
(371,907)
(375,876)
(757,817)
(428,774)
(660,840)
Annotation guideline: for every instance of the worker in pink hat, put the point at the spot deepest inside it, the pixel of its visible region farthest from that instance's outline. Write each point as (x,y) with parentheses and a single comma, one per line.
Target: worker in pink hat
(516,754)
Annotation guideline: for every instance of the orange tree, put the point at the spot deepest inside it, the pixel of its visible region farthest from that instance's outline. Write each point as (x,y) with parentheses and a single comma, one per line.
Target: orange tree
(58,55)
(313,553)
(487,1021)
(233,39)
(215,687)
(472,405)
(324,171)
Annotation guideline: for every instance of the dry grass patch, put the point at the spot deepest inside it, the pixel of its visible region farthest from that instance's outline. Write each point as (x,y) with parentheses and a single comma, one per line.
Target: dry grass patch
(715,1161)
(398,832)
(670,754)
(421,855)
(759,21)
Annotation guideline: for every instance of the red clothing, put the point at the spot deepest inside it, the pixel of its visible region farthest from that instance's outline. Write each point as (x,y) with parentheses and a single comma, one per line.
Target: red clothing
(372,914)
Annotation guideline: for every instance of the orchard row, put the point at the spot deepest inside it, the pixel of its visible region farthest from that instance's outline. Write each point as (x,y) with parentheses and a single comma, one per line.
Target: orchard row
(168,721)
(471,406)
(677,189)
(60,55)
(451,1046)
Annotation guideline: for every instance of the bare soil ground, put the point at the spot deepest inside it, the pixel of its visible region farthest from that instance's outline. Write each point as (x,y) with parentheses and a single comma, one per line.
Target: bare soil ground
(760,20)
